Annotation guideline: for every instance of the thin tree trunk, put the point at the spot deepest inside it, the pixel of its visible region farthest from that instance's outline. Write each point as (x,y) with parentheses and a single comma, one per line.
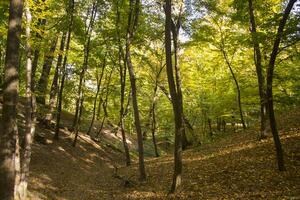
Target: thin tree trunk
(59,106)
(131,28)
(270,71)
(104,103)
(260,77)
(85,65)
(9,154)
(153,109)
(99,80)
(78,122)
(54,85)
(236,84)
(153,121)
(41,23)
(122,70)
(43,81)
(175,101)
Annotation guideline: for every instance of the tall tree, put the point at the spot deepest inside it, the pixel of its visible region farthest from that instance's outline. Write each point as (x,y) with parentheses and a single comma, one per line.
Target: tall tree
(259,71)
(22,182)
(175,100)
(131,29)
(269,92)
(175,28)
(88,30)
(122,72)
(9,155)
(63,72)
(54,85)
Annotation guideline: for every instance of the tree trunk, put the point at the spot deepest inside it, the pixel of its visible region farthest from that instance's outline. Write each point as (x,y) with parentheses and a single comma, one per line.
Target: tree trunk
(43,82)
(175,100)
(260,77)
(59,106)
(270,71)
(54,86)
(41,23)
(9,154)
(122,70)
(87,42)
(30,122)
(175,28)
(153,121)
(236,84)
(99,80)
(131,28)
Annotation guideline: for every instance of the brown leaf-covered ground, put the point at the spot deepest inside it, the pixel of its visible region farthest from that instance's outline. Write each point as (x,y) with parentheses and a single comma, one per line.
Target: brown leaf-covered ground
(234,166)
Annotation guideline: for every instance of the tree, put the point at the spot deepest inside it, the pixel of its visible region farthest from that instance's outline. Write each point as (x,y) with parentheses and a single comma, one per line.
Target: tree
(269,92)
(63,72)
(175,99)
(80,94)
(9,141)
(122,74)
(131,28)
(22,178)
(54,85)
(258,65)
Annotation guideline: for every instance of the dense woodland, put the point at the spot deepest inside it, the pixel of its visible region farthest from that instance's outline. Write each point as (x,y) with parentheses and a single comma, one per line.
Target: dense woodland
(165,77)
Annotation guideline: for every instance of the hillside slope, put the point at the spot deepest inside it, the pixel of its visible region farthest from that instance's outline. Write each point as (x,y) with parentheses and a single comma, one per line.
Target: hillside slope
(234,166)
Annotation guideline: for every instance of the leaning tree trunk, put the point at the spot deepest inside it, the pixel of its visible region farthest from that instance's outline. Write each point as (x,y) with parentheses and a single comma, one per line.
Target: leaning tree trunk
(260,77)
(175,101)
(131,28)
(60,93)
(270,71)
(43,82)
(9,155)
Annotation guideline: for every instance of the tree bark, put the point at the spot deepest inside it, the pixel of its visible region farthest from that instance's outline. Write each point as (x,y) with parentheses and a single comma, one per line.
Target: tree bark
(270,71)
(175,101)
(260,77)
(9,155)
(59,106)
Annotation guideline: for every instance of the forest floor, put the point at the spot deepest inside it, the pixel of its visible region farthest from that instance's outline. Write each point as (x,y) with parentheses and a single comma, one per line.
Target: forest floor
(234,166)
